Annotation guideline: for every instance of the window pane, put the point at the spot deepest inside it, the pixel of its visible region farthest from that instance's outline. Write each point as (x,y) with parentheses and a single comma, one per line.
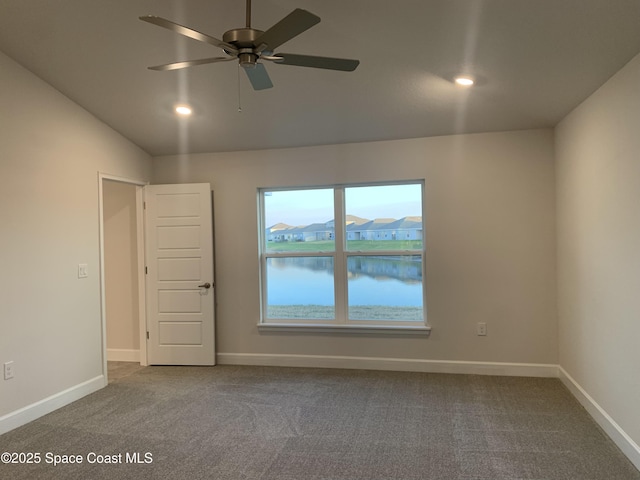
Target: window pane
(300,287)
(385,217)
(385,288)
(299,220)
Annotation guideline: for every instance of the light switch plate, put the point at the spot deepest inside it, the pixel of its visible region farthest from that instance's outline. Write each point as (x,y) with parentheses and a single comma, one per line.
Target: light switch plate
(83,270)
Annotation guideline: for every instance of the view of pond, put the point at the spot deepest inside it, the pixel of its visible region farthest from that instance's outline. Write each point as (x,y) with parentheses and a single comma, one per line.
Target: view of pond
(379,287)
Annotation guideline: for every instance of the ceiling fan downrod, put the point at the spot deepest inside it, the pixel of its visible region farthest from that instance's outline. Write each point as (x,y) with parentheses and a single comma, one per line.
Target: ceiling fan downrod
(243,40)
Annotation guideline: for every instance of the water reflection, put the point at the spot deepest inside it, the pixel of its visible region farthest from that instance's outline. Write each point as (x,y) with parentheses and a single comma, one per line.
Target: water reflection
(316,264)
(379,288)
(406,269)
(300,281)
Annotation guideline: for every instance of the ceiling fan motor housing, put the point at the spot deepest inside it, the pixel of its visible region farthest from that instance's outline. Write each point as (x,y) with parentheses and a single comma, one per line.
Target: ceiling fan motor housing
(244,39)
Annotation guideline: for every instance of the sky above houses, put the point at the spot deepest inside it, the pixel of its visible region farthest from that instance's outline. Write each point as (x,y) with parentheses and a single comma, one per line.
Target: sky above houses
(304,207)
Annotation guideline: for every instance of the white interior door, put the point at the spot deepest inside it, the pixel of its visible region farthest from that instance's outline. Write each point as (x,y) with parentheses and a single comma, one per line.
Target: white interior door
(179,275)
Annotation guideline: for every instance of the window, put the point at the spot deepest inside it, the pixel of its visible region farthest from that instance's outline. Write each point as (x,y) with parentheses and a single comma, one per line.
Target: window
(343,255)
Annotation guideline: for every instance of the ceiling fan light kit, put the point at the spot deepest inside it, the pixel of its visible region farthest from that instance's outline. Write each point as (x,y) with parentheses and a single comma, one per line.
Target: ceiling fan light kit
(248,46)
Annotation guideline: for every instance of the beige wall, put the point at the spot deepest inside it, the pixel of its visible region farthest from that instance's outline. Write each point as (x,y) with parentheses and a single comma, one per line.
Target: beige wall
(50,153)
(490,237)
(121,266)
(598,172)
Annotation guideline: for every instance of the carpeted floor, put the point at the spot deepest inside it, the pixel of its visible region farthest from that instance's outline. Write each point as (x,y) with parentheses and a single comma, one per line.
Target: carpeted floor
(118,370)
(245,423)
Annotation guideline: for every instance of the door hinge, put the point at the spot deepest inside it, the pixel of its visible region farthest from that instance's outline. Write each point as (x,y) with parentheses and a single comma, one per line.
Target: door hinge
(147,335)
(146,271)
(144,205)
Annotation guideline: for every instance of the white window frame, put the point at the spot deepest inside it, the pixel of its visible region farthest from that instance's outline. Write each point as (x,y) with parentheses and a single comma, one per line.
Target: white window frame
(341,322)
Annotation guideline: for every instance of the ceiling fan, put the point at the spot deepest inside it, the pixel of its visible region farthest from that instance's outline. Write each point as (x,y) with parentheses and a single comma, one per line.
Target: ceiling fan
(249,46)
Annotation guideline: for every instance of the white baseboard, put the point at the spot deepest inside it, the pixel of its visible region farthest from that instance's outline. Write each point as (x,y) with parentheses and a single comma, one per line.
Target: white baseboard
(36,410)
(394,364)
(122,355)
(602,418)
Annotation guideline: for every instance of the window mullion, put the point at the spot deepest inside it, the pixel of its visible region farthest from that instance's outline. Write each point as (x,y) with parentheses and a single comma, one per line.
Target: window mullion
(340,260)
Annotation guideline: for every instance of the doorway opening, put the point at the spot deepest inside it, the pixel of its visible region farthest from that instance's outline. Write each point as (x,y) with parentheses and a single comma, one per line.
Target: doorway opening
(122,276)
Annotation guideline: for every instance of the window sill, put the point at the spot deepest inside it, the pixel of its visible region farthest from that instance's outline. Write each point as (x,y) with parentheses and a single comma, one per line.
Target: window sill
(351,329)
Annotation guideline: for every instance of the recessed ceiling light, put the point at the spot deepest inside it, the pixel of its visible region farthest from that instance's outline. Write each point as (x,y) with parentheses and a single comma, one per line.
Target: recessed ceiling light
(464,80)
(183,110)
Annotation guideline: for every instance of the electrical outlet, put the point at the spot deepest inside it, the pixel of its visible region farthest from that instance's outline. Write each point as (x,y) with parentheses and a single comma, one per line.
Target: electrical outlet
(481,329)
(8,370)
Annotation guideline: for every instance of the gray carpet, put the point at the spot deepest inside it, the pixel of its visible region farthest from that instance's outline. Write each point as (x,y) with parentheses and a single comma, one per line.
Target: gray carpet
(245,423)
(118,370)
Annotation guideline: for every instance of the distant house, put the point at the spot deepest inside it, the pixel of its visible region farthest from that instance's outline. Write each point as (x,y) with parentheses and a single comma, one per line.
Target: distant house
(281,232)
(315,232)
(277,232)
(349,220)
(370,230)
(406,228)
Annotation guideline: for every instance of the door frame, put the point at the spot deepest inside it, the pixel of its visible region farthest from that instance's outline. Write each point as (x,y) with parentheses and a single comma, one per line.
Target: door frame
(142,317)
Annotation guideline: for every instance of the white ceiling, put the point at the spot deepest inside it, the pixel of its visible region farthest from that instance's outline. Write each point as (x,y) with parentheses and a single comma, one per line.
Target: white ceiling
(536,60)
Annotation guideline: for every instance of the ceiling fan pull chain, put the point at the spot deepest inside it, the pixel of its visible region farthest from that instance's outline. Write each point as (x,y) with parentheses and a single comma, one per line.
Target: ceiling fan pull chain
(239,103)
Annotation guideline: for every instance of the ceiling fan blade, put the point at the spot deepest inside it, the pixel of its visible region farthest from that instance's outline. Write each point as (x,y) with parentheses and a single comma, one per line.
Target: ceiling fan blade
(259,77)
(290,26)
(189,63)
(329,63)
(187,32)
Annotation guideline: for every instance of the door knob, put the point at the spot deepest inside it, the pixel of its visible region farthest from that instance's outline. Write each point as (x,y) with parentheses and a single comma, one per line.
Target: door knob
(205,285)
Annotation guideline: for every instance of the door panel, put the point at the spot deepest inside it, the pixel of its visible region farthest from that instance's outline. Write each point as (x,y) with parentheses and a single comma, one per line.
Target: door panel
(179,260)
(179,269)
(181,333)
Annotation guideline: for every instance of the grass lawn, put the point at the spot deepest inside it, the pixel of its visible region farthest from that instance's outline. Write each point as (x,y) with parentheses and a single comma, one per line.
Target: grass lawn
(353,245)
